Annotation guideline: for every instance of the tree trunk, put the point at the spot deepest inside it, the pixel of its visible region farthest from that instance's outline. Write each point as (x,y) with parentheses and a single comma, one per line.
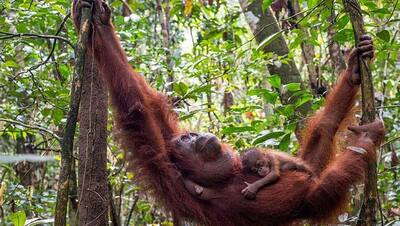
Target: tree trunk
(70,126)
(263,25)
(163,13)
(73,196)
(369,206)
(308,53)
(227,101)
(92,175)
(337,59)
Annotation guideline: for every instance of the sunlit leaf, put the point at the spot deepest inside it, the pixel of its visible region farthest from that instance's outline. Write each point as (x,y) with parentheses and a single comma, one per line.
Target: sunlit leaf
(285,142)
(11,63)
(381,11)
(18,218)
(57,115)
(264,137)
(293,86)
(188,7)
(268,40)
(342,21)
(275,81)
(181,88)
(232,129)
(266,4)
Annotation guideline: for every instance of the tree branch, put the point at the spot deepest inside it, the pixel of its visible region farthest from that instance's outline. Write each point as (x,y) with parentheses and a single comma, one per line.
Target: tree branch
(69,132)
(35,127)
(369,207)
(8,35)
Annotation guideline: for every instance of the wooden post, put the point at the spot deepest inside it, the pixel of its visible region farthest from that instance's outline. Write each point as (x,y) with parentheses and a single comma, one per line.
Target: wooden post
(367,214)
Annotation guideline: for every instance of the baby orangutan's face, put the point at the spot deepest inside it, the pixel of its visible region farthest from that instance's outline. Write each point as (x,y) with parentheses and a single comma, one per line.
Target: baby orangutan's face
(256,162)
(261,167)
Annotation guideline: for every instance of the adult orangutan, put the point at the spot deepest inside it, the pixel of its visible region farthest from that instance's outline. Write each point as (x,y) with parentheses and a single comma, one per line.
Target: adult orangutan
(162,155)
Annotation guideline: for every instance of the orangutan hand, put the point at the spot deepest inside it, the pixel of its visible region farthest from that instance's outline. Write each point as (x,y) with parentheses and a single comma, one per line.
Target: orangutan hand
(366,50)
(100,9)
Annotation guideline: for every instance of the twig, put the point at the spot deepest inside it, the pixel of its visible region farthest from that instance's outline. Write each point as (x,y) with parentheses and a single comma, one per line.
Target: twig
(388,106)
(35,127)
(131,210)
(36,84)
(48,150)
(391,15)
(390,141)
(8,35)
(52,49)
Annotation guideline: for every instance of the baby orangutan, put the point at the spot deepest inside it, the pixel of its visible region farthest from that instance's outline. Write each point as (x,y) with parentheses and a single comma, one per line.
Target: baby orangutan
(268,166)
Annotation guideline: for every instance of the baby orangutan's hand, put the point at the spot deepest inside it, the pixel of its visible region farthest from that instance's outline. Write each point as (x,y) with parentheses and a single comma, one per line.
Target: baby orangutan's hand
(250,191)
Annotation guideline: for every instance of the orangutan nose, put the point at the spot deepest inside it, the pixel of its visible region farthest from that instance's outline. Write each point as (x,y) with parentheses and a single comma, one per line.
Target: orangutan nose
(208,143)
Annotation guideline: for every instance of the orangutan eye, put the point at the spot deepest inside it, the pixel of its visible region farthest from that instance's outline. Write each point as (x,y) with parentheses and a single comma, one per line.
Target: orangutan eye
(254,169)
(194,134)
(185,138)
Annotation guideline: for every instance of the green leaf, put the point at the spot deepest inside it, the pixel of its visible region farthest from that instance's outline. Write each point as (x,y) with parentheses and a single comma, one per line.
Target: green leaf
(384,35)
(297,41)
(381,11)
(266,4)
(306,97)
(202,89)
(11,63)
(275,81)
(181,88)
(268,40)
(268,95)
(21,28)
(64,70)
(45,112)
(293,87)
(285,142)
(342,21)
(371,5)
(287,110)
(344,35)
(57,115)
(189,115)
(18,218)
(233,129)
(272,135)
(256,92)
(271,97)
